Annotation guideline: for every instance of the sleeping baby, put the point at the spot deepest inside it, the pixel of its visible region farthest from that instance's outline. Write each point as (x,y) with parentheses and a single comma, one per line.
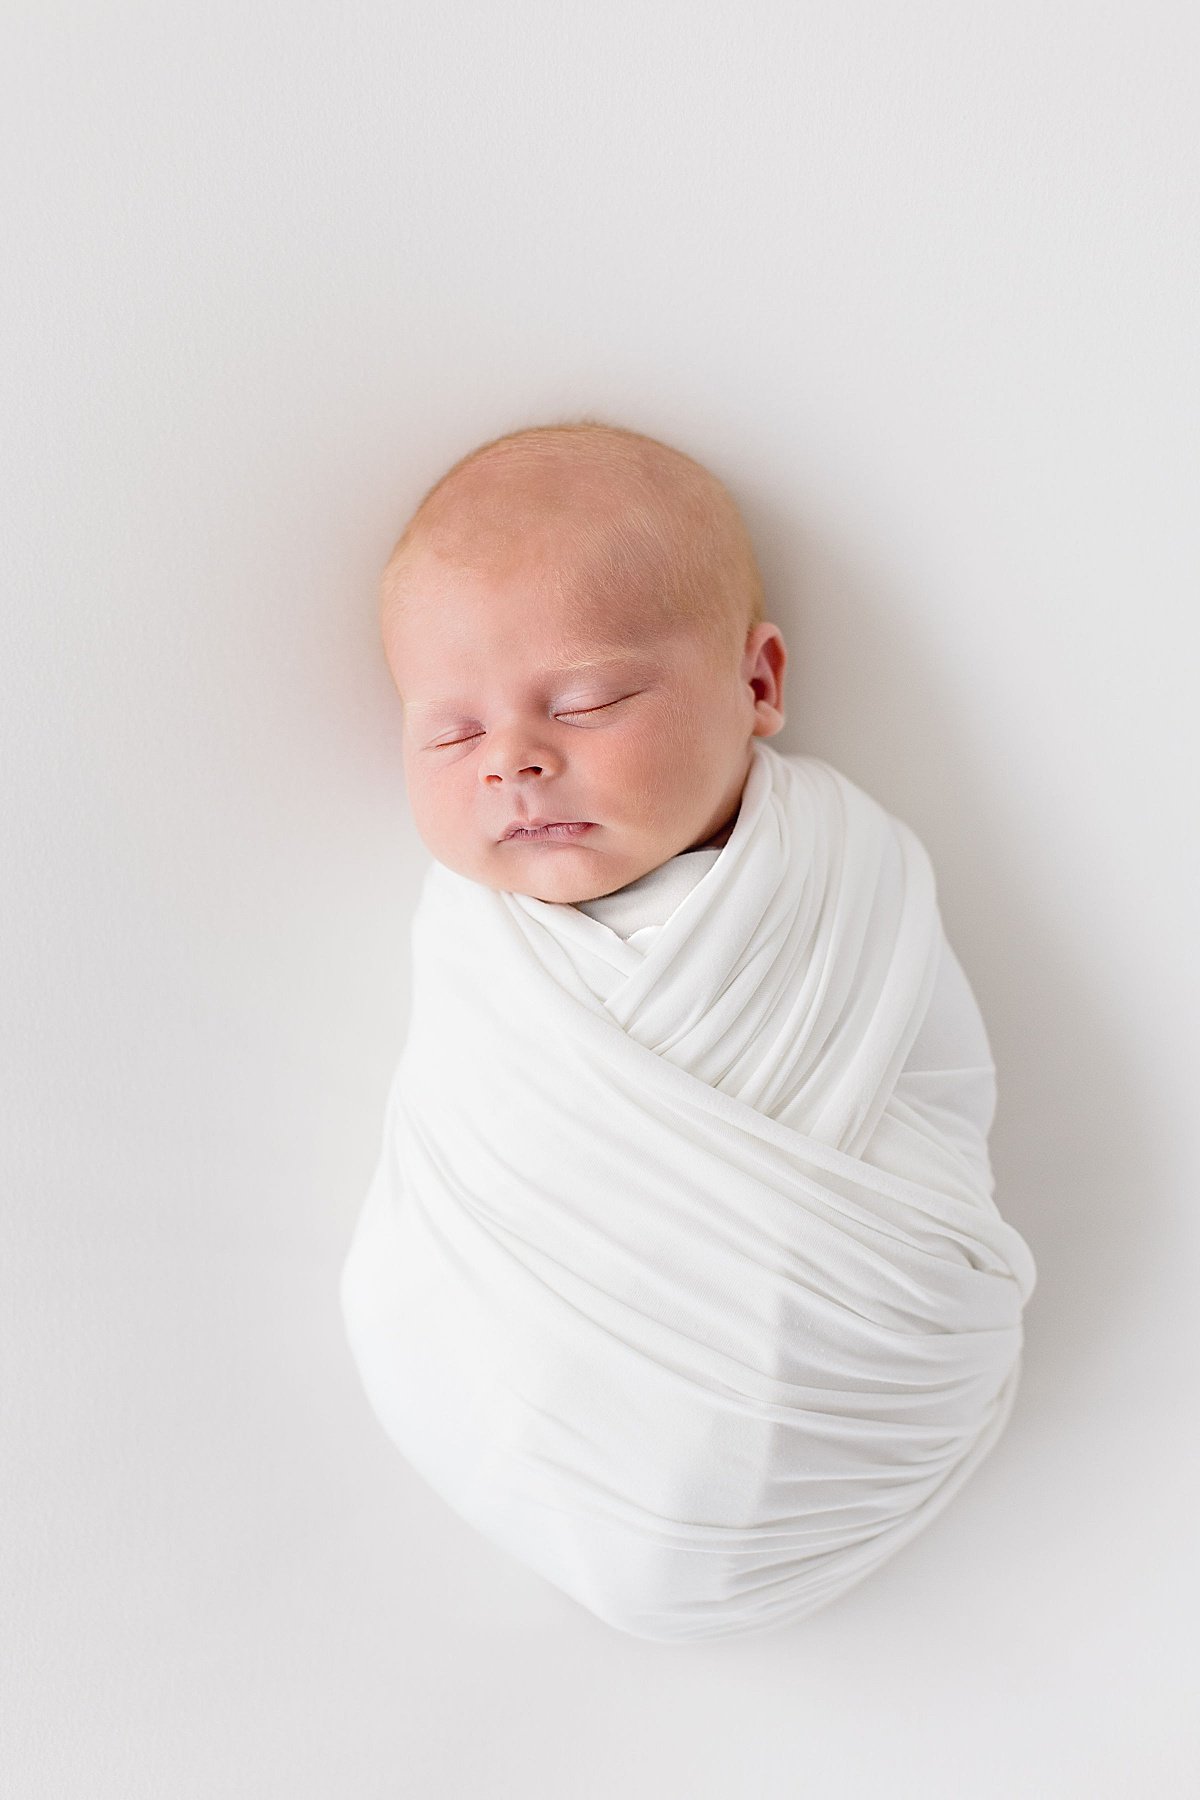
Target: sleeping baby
(679,1277)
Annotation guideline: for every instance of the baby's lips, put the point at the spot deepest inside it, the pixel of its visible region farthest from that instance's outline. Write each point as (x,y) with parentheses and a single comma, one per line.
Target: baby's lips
(547,831)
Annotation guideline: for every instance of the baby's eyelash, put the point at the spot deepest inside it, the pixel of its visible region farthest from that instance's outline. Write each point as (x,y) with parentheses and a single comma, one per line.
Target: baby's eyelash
(578,712)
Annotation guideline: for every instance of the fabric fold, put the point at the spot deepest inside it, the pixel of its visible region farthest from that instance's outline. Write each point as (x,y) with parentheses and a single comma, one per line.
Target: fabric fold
(665,1280)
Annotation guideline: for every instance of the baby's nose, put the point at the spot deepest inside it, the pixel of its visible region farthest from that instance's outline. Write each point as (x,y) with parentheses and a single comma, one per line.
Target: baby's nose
(514,757)
(496,774)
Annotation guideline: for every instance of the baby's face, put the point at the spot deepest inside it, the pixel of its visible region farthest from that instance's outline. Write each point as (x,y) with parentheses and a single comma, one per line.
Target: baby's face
(527,696)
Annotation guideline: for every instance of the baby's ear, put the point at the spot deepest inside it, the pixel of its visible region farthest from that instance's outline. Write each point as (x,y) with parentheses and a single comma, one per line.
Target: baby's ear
(766,657)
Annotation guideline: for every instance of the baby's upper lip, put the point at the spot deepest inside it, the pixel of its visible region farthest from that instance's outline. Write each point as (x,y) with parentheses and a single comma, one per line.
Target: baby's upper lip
(537,824)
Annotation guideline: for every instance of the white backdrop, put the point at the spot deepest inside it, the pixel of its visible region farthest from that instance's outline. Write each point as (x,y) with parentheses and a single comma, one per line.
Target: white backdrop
(920,283)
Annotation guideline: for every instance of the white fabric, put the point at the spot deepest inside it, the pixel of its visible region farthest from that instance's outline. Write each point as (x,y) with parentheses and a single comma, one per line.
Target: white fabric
(666,1281)
(639,910)
(949,1066)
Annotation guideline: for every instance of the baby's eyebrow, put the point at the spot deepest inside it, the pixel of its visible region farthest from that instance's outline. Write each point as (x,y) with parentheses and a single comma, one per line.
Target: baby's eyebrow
(596,662)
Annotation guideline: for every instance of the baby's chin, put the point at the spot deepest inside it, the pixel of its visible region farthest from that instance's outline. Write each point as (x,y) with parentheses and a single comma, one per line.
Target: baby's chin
(561,873)
(561,877)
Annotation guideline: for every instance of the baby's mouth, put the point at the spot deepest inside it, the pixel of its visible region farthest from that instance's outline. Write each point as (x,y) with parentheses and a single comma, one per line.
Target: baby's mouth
(564,832)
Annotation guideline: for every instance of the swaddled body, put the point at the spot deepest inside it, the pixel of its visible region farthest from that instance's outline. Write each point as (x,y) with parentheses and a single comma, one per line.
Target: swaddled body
(683,1299)
(679,1276)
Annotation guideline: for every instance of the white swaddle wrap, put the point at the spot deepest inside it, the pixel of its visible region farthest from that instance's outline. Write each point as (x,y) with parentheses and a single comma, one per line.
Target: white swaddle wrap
(667,1281)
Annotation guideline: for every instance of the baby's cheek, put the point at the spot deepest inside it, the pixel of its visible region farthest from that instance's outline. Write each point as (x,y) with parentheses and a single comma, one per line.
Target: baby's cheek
(679,722)
(631,779)
(435,816)
(659,766)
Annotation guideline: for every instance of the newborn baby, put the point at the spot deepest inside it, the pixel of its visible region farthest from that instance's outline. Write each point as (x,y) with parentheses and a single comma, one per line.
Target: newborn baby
(680,1276)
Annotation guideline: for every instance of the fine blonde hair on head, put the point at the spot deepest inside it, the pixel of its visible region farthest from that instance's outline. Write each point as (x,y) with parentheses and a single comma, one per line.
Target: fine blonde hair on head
(622,501)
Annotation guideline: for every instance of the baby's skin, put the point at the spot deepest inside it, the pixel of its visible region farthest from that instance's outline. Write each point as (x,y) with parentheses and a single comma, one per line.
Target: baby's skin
(573,623)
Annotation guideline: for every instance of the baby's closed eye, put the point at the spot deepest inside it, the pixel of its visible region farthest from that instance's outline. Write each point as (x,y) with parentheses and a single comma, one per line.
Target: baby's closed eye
(574,713)
(580,712)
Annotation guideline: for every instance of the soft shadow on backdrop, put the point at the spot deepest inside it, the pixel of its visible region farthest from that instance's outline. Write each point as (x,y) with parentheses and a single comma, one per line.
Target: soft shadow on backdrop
(920,285)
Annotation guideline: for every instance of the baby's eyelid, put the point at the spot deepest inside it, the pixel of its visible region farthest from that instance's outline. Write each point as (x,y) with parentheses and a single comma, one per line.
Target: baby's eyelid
(573,712)
(590,709)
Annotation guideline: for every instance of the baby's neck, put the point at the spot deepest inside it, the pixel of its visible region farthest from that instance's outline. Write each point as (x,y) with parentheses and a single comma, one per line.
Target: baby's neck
(721,835)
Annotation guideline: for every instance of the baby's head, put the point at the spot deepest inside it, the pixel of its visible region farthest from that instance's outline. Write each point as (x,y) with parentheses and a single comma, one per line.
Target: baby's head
(574,621)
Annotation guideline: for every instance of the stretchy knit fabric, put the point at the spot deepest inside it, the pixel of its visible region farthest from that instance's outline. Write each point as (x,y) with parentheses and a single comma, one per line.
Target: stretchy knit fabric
(680,1276)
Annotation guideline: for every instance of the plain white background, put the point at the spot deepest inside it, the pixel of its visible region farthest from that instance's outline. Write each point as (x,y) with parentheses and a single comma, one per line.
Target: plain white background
(920,282)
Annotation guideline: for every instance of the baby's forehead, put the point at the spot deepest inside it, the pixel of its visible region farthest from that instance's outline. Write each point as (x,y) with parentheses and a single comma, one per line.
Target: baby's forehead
(550,641)
(443,650)
(555,591)
(600,558)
